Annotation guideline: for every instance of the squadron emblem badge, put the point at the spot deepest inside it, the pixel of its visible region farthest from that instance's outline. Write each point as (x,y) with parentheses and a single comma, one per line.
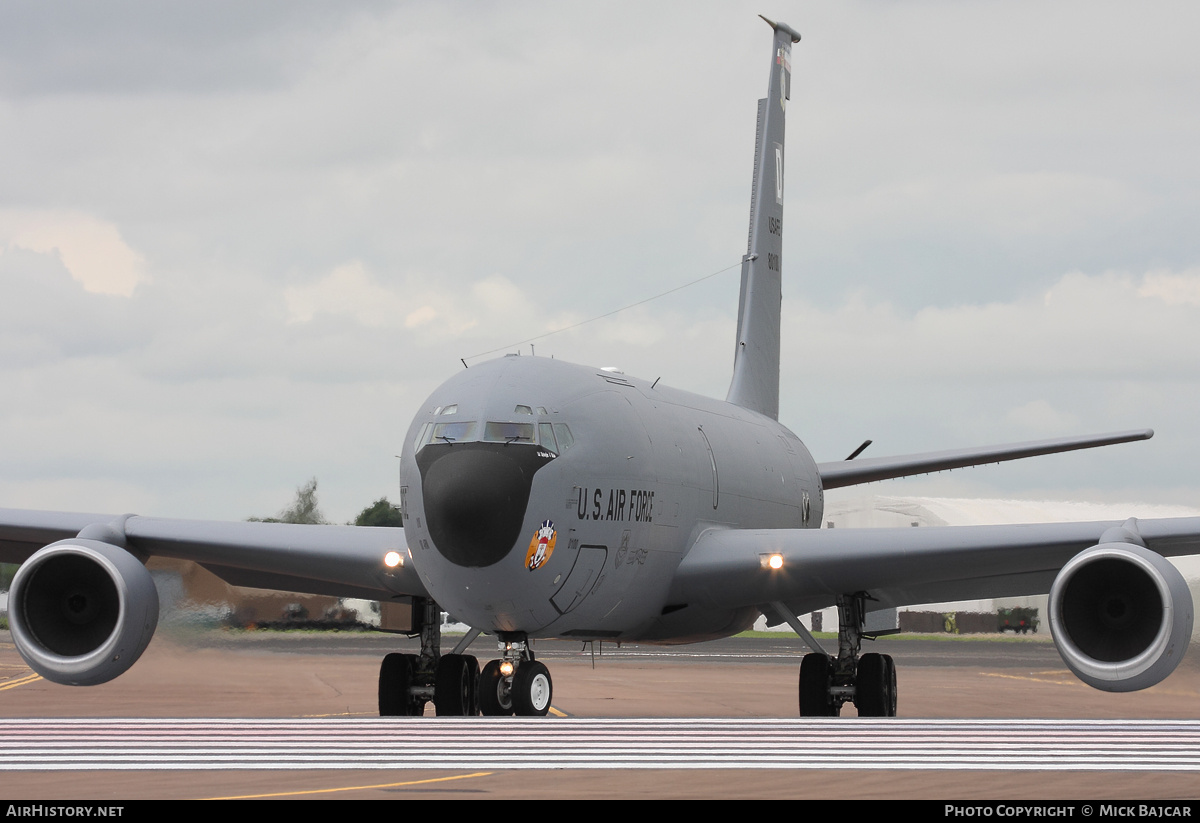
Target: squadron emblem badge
(541,546)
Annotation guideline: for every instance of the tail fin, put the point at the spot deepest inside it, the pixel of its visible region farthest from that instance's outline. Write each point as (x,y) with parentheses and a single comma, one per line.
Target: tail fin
(755,382)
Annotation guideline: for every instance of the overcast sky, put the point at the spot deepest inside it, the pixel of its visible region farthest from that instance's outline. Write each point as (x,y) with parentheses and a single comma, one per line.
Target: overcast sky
(240,243)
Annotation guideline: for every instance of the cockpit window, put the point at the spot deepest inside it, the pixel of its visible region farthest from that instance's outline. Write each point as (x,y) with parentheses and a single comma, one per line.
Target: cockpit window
(420,441)
(522,410)
(451,409)
(453,432)
(546,437)
(565,440)
(556,437)
(508,432)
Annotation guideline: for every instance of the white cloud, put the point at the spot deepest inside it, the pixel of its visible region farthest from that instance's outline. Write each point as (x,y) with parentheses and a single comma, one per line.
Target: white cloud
(347,290)
(487,307)
(92,250)
(1172,288)
(330,226)
(420,317)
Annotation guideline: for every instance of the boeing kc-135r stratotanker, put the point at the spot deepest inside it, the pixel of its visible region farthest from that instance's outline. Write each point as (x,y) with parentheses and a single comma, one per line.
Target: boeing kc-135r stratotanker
(545,499)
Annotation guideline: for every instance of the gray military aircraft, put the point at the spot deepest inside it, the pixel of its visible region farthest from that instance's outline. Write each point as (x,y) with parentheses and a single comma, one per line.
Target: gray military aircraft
(545,499)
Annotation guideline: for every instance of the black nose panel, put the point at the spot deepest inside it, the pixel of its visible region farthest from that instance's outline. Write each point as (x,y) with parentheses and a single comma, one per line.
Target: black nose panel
(475,496)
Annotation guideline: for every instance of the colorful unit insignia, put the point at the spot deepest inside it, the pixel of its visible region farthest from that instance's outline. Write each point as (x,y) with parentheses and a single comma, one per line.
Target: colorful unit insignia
(541,546)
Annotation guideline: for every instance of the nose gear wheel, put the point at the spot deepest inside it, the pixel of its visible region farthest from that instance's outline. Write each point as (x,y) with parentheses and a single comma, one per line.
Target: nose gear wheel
(526,692)
(532,690)
(495,691)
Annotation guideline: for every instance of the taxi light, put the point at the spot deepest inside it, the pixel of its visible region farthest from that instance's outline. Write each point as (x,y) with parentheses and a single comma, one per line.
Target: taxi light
(393,559)
(506,668)
(772,561)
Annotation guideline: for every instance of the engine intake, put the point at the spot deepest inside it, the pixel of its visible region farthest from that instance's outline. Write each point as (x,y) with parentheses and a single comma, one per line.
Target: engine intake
(82,611)
(1121,616)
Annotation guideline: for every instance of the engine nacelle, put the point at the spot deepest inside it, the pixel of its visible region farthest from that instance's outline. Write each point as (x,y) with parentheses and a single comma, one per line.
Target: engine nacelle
(82,611)
(1121,616)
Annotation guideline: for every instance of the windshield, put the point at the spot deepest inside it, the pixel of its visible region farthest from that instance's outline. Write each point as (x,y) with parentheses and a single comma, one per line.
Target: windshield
(453,432)
(508,432)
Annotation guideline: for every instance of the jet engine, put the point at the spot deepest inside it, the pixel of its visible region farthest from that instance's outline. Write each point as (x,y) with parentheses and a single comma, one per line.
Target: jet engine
(82,611)
(1121,616)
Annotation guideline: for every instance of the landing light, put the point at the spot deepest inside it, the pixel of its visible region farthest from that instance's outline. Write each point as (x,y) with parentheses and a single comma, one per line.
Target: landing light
(506,668)
(393,559)
(775,561)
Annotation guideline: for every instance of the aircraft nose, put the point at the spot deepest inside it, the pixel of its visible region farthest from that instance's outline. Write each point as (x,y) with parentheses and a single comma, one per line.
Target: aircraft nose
(475,496)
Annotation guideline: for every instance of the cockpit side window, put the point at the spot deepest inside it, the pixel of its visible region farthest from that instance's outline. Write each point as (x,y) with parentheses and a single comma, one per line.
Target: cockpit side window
(420,440)
(546,437)
(565,440)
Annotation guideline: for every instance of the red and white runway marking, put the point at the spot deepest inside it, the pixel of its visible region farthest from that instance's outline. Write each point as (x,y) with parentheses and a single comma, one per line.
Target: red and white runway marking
(576,743)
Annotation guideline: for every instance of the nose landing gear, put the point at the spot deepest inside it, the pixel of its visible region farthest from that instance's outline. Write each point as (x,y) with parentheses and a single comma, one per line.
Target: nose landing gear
(495,691)
(532,690)
(515,684)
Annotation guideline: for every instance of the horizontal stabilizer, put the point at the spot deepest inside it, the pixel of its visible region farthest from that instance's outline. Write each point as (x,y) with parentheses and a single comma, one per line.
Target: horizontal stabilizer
(841,473)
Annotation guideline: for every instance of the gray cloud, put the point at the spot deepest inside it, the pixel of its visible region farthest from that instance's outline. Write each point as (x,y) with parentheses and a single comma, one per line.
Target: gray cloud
(488,173)
(136,47)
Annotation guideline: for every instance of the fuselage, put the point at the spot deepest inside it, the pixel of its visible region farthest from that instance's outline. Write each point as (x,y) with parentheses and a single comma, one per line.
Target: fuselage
(547,499)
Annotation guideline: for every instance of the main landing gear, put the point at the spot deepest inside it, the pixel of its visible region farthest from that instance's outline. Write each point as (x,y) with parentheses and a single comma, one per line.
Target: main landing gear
(408,681)
(515,684)
(868,681)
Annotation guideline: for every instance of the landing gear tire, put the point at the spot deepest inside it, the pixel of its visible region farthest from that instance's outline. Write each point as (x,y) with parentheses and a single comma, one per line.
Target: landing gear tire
(472,664)
(891,684)
(454,686)
(874,686)
(495,691)
(531,689)
(815,670)
(395,678)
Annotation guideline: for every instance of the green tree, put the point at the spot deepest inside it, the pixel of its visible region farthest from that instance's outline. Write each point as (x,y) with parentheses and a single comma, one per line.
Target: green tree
(304,510)
(379,513)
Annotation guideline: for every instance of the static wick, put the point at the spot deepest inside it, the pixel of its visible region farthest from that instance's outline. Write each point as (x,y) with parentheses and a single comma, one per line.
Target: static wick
(464,362)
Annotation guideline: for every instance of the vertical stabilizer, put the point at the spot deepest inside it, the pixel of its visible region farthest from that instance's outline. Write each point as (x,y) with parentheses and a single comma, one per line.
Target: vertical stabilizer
(755,382)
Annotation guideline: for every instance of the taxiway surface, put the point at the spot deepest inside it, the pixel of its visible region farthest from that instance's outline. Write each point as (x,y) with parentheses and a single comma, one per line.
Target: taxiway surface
(273,675)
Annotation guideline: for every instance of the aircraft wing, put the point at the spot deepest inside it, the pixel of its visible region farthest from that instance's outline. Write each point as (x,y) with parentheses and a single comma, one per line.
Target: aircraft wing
(345,561)
(841,473)
(901,566)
